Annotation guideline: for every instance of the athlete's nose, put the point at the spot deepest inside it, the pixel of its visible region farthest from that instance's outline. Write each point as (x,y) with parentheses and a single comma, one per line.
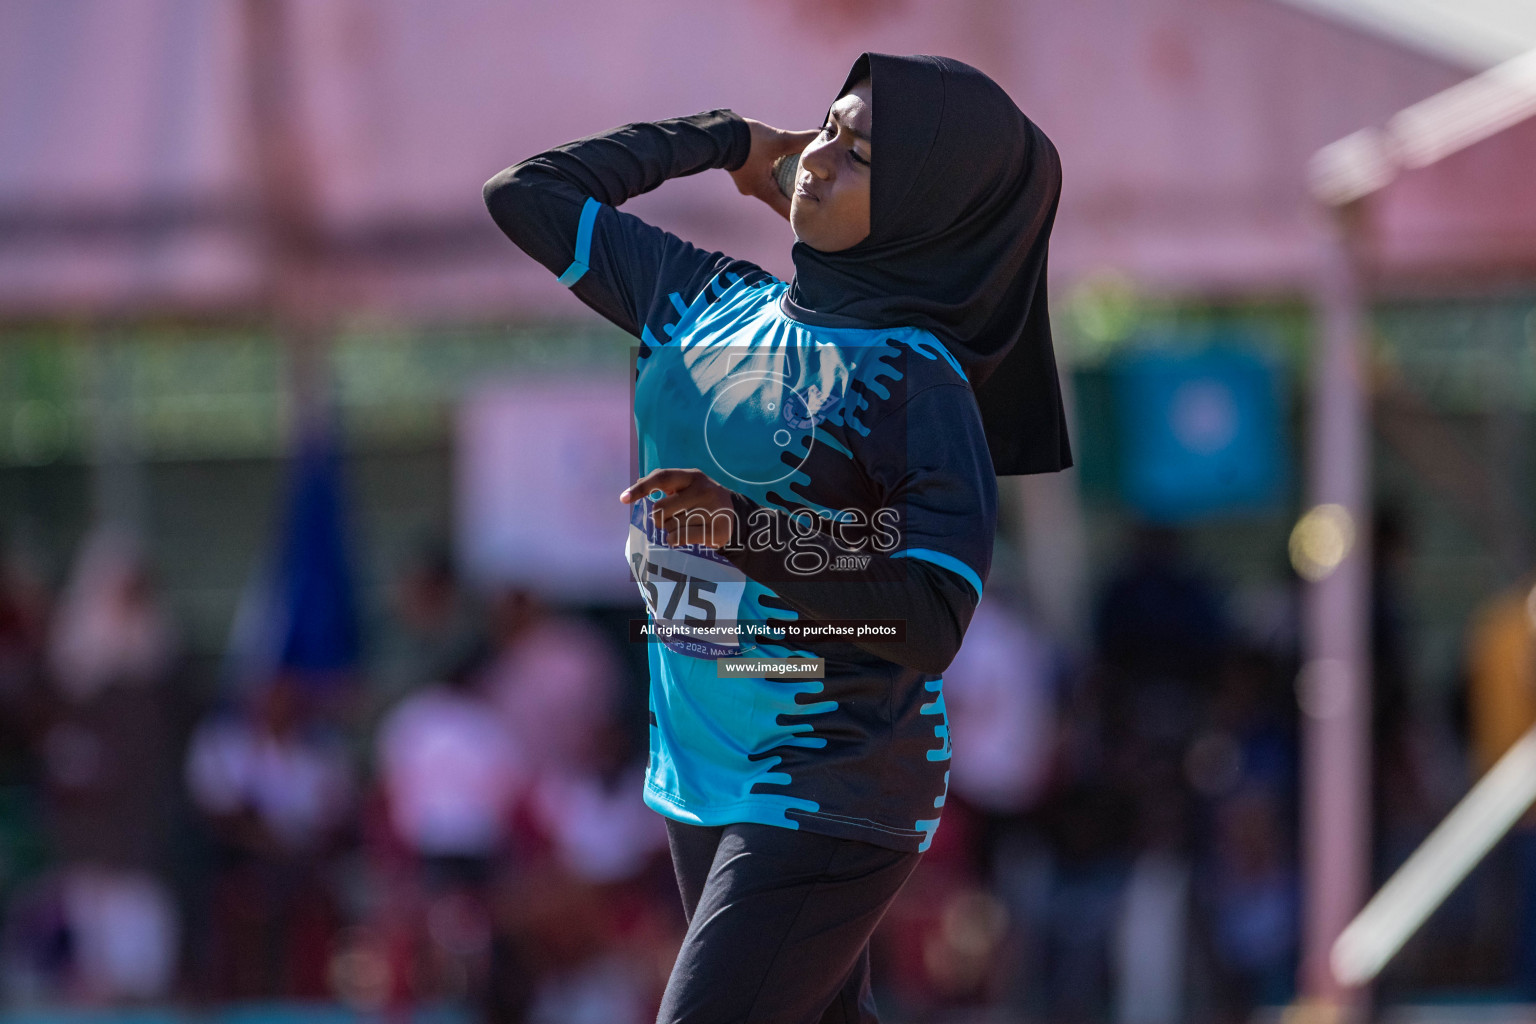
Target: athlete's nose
(816,159)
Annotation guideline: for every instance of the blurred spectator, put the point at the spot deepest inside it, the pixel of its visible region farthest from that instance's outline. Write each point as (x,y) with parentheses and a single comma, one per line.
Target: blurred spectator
(1117,914)
(531,864)
(108,630)
(110,765)
(276,787)
(451,776)
(596,895)
(451,772)
(1254,904)
(1159,617)
(1151,942)
(101,925)
(435,625)
(1090,827)
(1000,695)
(85,934)
(592,814)
(593,918)
(278,782)
(555,679)
(1250,734)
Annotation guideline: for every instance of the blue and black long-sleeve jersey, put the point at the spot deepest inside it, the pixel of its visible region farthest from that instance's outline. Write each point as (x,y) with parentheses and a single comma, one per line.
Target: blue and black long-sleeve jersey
(860,473)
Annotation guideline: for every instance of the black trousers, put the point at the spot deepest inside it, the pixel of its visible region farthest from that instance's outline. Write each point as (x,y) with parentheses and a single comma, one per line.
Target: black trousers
(779,922)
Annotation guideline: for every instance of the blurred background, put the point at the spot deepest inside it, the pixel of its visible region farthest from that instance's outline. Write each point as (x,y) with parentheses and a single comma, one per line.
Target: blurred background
(278,604)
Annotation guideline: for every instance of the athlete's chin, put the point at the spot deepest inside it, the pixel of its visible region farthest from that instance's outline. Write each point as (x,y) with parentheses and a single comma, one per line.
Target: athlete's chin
(813,235)
(801,221)
(814,226)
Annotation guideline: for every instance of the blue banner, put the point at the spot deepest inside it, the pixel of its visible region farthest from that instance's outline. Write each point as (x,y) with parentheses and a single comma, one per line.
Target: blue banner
(1201,434)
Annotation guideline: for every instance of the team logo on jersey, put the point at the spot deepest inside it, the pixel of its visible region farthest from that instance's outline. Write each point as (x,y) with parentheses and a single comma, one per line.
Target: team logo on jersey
(805,411)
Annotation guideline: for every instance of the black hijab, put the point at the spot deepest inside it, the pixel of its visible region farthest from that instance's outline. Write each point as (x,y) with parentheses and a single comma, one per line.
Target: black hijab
(963,192)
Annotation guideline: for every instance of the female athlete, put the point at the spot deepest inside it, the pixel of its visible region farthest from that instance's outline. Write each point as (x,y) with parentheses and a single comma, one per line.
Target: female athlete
(817,480)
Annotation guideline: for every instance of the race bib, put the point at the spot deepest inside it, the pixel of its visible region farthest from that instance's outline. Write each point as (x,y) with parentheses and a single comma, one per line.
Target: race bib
(693,594)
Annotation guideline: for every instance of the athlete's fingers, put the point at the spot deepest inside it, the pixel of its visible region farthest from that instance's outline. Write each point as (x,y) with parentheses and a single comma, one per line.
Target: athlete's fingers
(684,499)
(702,498)
(797,141)
(697,526)
(709,531)
(686,518)
(702,494)
(790,143)
(755,177)
(668,481)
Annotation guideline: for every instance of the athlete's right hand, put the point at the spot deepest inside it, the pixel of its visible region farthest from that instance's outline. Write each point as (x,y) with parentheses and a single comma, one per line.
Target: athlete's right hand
(755,177)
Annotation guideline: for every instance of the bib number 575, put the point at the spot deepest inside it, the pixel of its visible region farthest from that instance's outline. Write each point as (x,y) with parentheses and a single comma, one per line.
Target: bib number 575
(699,610)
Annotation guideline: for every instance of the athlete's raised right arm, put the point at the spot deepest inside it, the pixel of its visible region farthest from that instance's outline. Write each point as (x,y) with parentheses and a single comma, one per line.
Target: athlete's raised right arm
(558,207)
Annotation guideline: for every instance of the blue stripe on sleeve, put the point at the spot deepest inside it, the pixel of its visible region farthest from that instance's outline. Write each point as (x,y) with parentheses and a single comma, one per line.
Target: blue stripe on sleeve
(578,266)
(944,561)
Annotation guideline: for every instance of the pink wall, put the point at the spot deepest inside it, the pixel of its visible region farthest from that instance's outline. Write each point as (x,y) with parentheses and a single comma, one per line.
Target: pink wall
(1184,128)
(1469,220)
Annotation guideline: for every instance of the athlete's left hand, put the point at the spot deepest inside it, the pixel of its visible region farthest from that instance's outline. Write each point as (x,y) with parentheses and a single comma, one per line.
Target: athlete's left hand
(693,510)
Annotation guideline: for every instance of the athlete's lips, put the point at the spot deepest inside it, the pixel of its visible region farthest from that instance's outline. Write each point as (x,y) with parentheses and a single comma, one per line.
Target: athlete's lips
(801,190)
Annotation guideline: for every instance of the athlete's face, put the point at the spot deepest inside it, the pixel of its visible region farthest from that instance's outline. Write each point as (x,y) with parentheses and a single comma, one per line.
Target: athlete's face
(830,208)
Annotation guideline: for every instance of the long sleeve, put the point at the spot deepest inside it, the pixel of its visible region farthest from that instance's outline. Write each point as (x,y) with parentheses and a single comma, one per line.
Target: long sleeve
(558,207)
(936,604)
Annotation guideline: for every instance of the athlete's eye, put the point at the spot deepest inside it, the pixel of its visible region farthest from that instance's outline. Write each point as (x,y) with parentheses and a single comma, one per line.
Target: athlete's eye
(858,159)
(829,129)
